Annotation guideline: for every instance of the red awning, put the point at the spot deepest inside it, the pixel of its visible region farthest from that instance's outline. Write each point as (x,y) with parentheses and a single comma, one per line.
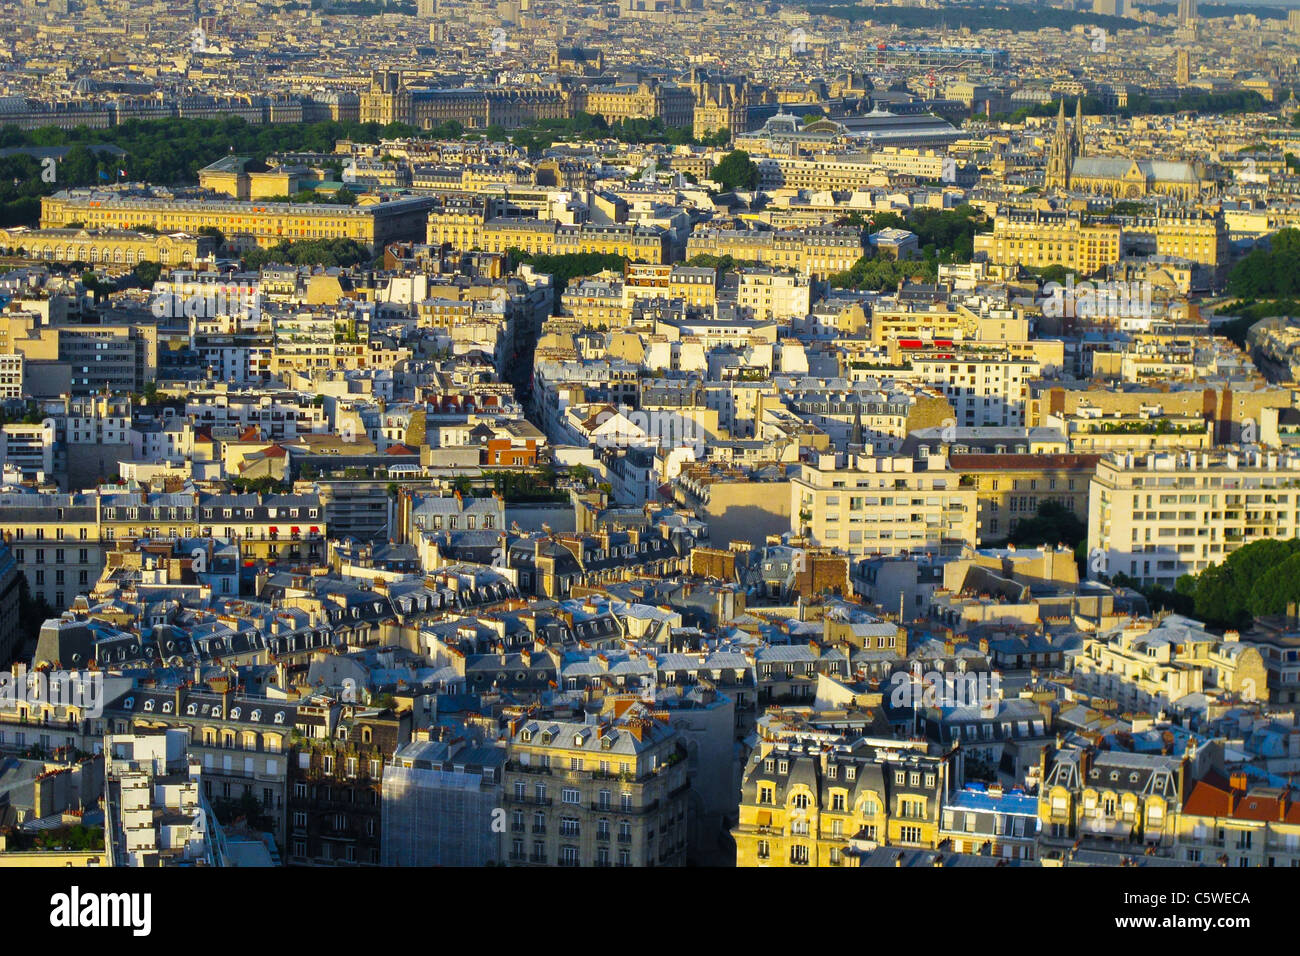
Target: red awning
(315,530)
(275,530)
(295,530)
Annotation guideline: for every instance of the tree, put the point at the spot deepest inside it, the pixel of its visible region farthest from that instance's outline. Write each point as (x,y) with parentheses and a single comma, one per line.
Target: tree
(736,171)
(32,611)
(1053,524)
(1260,578)
(217,235)
(146,273)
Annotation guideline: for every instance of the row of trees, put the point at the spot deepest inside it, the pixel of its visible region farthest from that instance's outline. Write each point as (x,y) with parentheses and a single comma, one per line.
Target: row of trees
(564,268)
(543,134)
(313,252)
(1260,579)
(1272,273)
(1000,16)
(1139,104)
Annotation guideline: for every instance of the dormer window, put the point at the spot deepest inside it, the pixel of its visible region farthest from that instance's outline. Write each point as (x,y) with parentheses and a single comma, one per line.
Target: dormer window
(191,710)
(235,712)
(148,705)
(167,707)
(255,715)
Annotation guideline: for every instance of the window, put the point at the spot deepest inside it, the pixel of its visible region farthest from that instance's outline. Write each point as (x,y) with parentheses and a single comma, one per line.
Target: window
(570,795)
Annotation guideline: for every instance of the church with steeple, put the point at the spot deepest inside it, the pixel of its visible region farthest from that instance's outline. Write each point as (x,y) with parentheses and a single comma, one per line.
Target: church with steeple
(1117,176)
(1065,148)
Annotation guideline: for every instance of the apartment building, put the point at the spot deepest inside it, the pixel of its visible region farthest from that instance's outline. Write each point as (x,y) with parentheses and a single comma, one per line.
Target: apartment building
(1238,821)
(596,303)
(608,793)
(946,323)
(1198,236)
(1002,823)
(1234,408)
(120,356)
(782,172)
(155,810)
(1041,239)
(546,237)
(696,287)
(772,293)
(240,741)
(883,505)
(106,246)
(55,542)
(26,452)
(1010,488)
(244,224)
(335,768)
(442,805)
(1152,665)
(806,804)
(277,414)
(1159,516)
(817,251)
(986,387)
(1112,799)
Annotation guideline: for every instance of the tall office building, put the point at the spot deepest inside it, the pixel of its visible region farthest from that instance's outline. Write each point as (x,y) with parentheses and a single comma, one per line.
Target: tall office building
(1184,73)
(1187,12)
